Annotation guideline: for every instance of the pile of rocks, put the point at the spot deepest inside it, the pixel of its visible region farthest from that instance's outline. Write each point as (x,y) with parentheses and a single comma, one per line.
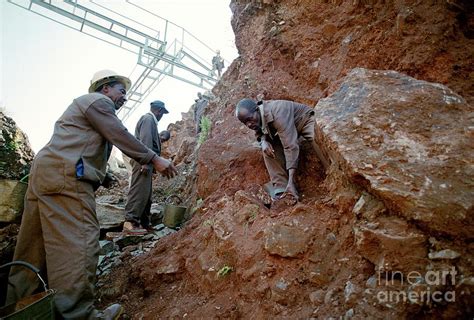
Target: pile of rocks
(117,245)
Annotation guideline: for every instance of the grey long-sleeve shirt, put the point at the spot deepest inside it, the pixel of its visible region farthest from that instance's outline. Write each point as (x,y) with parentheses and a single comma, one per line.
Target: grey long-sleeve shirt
(146,131)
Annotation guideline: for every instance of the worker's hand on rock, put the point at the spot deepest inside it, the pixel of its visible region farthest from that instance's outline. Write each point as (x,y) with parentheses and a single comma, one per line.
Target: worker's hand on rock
(268,149)
(164,166)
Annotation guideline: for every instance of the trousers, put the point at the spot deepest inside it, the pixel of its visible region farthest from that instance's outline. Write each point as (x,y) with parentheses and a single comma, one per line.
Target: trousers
(59,234)
(276,167)
(137,209)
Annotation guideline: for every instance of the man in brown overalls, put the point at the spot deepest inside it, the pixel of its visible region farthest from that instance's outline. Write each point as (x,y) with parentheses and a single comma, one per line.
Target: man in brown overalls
(278,125)
(59,233)
(137,209)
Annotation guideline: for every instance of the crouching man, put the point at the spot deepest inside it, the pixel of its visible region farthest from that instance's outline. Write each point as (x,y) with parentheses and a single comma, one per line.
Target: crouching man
(278,125)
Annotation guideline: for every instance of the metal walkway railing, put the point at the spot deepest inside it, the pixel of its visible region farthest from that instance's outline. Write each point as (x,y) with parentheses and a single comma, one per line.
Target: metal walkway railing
(157,57)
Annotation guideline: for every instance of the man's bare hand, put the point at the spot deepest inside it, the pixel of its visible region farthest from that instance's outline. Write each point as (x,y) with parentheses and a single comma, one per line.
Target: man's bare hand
(268,149)
(164,166)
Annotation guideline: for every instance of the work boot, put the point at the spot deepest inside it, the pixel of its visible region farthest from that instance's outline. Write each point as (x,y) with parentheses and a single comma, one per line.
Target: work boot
(131,229)
(112,312)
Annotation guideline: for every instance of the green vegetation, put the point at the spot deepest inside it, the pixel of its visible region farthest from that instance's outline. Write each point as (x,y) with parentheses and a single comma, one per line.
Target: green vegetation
(225,270)
(199,202)
(197,206)
(253,212)
(208,223)
(11,145)
(205,126)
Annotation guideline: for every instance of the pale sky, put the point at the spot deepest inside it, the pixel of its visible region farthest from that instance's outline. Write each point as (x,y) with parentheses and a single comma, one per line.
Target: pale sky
(45,65)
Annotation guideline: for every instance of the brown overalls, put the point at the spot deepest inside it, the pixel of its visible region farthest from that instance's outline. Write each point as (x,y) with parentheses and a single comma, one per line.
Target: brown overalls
(59,233)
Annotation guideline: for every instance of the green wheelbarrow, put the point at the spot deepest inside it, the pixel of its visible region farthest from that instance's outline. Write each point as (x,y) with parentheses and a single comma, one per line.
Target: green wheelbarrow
(39,306)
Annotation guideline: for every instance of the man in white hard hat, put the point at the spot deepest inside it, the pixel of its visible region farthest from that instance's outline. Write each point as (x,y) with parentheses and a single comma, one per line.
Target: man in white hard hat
(59,233)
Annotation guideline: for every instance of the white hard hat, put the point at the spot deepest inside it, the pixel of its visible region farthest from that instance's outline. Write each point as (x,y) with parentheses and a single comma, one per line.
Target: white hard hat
(106,76)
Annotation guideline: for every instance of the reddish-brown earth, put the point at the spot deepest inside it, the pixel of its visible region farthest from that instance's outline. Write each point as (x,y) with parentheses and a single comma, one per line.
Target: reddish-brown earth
(236,258)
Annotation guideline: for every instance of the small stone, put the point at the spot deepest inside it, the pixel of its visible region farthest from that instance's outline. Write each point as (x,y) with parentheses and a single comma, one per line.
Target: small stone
(281,285)
(349,289)
(356,121)
(159,227)
(128,240)
(148,237)
(280,292)
(328,296)
(331,238)
(273,31)
(286,241)
(371,282)
(349,314)
(318,278)
(161,234)
(106,247)
(359,205)
(316,297)
(444,254)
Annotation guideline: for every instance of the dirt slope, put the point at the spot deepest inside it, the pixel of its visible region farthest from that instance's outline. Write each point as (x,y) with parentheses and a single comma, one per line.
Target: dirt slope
(238,259)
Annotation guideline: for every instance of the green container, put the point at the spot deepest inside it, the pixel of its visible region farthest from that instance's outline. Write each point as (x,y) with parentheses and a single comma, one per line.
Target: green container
(39,306)
(173,215)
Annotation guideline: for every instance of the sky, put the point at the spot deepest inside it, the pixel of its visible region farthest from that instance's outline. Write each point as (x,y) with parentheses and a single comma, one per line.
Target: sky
(45,65)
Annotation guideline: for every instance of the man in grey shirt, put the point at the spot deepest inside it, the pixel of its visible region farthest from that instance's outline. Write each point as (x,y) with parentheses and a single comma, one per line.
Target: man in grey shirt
(137,209)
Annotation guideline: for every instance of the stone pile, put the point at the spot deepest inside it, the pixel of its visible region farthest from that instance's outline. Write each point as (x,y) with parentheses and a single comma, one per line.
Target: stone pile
(118,244)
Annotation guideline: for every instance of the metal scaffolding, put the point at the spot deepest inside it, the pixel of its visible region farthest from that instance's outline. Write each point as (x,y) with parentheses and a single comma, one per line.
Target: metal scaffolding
(160,51)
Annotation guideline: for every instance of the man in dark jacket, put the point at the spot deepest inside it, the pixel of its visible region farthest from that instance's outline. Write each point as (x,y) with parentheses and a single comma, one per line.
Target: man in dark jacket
(137,210)
(278,125)
(59,232)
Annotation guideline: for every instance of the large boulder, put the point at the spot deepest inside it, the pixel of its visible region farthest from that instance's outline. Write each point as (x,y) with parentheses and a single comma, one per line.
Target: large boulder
(16,154)
(391,244)
(408,142)
(12,193)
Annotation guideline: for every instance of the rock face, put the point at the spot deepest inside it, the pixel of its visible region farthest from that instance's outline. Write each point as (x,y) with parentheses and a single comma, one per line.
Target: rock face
(392,245)
(15,151)
(407,140)
(12,194)
(286,241)
(15,161)
(222,264)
